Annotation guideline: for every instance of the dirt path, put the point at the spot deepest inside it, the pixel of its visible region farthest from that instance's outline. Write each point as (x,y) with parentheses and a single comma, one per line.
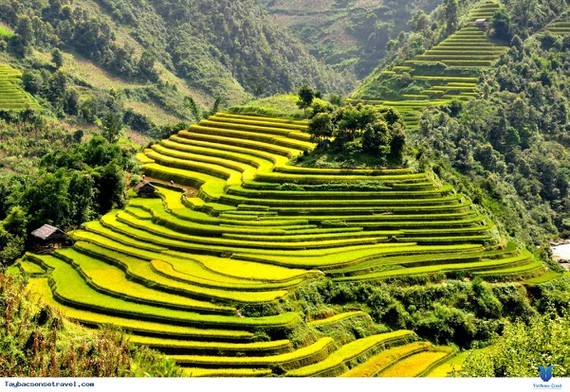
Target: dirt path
(190,192)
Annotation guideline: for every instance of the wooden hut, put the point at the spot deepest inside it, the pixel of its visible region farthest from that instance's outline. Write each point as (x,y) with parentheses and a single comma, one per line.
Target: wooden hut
(145,189)
(481,23)
(50,237)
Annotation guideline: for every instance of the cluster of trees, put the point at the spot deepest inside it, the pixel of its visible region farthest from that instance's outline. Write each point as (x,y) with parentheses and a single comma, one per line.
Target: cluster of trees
(468,314)
(527,17)
(71,186)
(57,91)
(378,132)
(214,43)
(60,25)
(523,347)
(224,49)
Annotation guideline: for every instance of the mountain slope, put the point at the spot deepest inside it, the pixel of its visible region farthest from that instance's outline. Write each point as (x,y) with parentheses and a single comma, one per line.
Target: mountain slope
(349,35)
(228,49)
(218,48)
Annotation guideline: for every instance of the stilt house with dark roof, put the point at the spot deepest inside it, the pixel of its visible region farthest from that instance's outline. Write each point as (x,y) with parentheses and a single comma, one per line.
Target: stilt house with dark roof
(145,189)
(50,237)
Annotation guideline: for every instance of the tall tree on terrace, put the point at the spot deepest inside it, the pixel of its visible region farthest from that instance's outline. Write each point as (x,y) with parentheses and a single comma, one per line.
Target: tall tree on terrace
(451,16)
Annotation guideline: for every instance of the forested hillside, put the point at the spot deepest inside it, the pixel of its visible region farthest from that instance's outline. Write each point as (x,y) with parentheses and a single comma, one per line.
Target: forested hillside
(121,69)
(349,35)
(508,146)
(221,48)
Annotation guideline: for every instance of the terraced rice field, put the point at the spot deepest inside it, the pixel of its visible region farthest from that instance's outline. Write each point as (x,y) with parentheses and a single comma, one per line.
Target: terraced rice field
(449,70)
(174,271)
(12,96)
(561,27)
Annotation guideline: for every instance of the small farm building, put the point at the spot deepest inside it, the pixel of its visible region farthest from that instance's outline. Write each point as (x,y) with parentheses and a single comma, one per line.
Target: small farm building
(50,237)
(481,22)
(145,189)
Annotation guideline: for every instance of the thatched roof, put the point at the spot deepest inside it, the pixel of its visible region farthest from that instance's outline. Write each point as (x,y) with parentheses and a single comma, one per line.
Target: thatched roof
(144,187)
(48,231)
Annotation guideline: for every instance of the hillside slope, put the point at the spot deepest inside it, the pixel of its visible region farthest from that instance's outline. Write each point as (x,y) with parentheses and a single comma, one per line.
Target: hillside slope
(447,71)
(200,276)
(351,36)
(218,48)
(497,94)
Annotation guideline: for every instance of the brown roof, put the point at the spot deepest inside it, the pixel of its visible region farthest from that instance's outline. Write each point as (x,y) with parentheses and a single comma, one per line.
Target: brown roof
(144,186)
(47,231)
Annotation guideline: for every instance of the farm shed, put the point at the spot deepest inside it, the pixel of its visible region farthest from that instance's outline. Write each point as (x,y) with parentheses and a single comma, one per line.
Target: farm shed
(481,22)
(145,189)
(50,237)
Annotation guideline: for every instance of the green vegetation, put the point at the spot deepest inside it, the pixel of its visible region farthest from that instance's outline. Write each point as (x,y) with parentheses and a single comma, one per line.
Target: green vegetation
(70,186)
(510,143)
(298,234)
(12,97)
(514,353)
(164,260)
(349,36)
(432,75)
(43,343)
(152,43)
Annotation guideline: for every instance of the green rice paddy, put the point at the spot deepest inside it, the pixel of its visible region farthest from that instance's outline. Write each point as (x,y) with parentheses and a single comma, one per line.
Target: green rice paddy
(12,95)
(175,270)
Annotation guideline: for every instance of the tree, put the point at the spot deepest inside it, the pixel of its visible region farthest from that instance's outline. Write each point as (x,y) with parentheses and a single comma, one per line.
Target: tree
(517,43)
(47,200)
(451,16)
(23,40)
(419,22)
(57,58)
(376,139)
(391,115)
(397,143)
(25,29)
(81,197)
(57,89)
(195,109)
(112,125)
(321,126)
(71,104)
(33,81)
(352,119)
(78,136)
(110,186)
(146,68)
(16,221)
(306,96)
(501,27)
